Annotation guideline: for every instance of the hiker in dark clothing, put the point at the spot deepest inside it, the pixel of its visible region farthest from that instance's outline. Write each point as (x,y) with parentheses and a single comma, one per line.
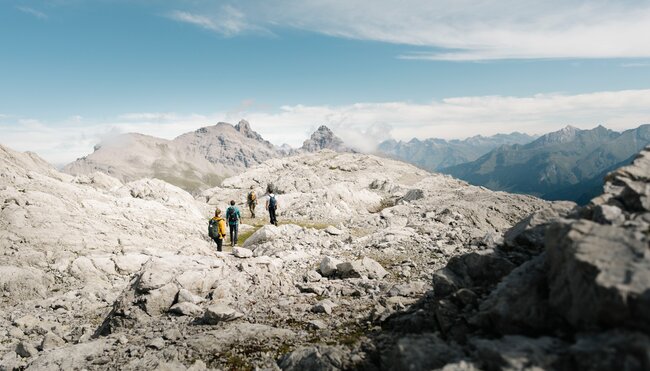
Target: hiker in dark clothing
(272,206)
(233,216)
(217,229)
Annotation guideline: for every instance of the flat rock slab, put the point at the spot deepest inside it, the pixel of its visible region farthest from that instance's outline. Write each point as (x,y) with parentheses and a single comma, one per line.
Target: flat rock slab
(242,252)
(186,309)
(220,313)
(365,267)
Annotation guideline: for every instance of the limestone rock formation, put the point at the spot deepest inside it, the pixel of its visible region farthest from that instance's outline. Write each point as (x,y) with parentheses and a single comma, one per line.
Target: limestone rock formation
(193,161)
(324,138)
(100,274)
(579,299)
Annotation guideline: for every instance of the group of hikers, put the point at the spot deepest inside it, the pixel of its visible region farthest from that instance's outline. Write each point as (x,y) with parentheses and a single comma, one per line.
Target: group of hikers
(217,225)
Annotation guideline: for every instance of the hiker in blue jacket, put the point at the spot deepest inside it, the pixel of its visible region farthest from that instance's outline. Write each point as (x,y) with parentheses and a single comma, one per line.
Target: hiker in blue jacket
(233,216)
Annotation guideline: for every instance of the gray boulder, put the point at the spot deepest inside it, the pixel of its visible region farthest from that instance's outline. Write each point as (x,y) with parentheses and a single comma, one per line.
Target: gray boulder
(608,214)
(328,266)
(476,268)
(324,306)
(611,350)
(426,352)
(51,341)
(412,195)
(630,185)
(26,350)
(599,275)
(519,304)
(517,352)
(220,313)
(529,232)
(186,308)
(242,252)
(318,358)
(365,267)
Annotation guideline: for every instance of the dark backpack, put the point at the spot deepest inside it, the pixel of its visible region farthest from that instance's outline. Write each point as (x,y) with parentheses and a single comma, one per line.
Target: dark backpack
(232,215)
(272,202)
(213,228)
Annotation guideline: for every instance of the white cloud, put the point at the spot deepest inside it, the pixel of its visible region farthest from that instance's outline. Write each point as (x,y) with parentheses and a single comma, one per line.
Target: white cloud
(462,29)
(32,12)
(361,124)
(635,64)
(227,20)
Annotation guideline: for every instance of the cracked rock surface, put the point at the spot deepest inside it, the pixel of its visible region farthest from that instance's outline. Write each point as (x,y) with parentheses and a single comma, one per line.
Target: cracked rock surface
(375,264)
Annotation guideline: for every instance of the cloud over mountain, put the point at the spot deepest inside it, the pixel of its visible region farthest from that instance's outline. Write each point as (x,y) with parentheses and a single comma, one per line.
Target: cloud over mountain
(360,124)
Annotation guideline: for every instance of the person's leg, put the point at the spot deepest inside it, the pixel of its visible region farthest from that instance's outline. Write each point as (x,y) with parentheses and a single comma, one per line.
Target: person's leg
(236,226)
(232,231)
(272,213)
(219,242)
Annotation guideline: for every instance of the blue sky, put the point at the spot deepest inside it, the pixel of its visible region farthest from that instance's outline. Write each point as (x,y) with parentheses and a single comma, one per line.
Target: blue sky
(73,71)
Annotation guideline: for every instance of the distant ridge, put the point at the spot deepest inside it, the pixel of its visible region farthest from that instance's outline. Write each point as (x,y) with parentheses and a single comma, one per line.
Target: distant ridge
(434,154)
(566,164)
(193,161)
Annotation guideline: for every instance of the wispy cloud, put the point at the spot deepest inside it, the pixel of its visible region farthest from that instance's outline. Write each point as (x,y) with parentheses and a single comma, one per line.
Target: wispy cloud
(227,21)
(360,124)
(33,12)
(459,30)
(635,64)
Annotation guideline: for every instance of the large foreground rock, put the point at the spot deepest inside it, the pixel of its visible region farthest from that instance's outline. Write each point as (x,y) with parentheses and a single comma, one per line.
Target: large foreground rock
(599,276)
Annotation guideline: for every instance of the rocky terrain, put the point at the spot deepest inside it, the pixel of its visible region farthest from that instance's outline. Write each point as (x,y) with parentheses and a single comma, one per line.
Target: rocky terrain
(375,265)
(193,161)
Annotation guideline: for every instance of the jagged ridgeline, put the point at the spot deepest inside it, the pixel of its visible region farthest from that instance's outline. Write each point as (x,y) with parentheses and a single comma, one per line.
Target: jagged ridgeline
(193,161)
(376,264)
(569,164)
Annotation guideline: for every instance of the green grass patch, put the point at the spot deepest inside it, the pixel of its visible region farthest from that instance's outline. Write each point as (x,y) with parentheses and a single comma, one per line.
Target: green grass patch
(258,223)
(237,362)
(306,224)
(245,235)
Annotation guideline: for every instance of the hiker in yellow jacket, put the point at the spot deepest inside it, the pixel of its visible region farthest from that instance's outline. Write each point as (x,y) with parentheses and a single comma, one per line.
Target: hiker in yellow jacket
(217,229)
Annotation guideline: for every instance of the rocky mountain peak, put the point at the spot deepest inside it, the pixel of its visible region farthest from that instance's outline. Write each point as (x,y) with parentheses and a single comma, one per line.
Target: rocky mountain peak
(564,135)
(193,161)
(245,128)
(324,138)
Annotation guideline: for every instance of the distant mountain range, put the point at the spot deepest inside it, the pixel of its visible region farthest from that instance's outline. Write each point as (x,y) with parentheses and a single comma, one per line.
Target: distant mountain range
(434,154)
(196,160)
(566,164)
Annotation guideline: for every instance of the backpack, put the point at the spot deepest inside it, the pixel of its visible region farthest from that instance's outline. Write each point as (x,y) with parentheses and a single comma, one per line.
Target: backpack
(252,197)
(232,215)
(272,202)
(213,228)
